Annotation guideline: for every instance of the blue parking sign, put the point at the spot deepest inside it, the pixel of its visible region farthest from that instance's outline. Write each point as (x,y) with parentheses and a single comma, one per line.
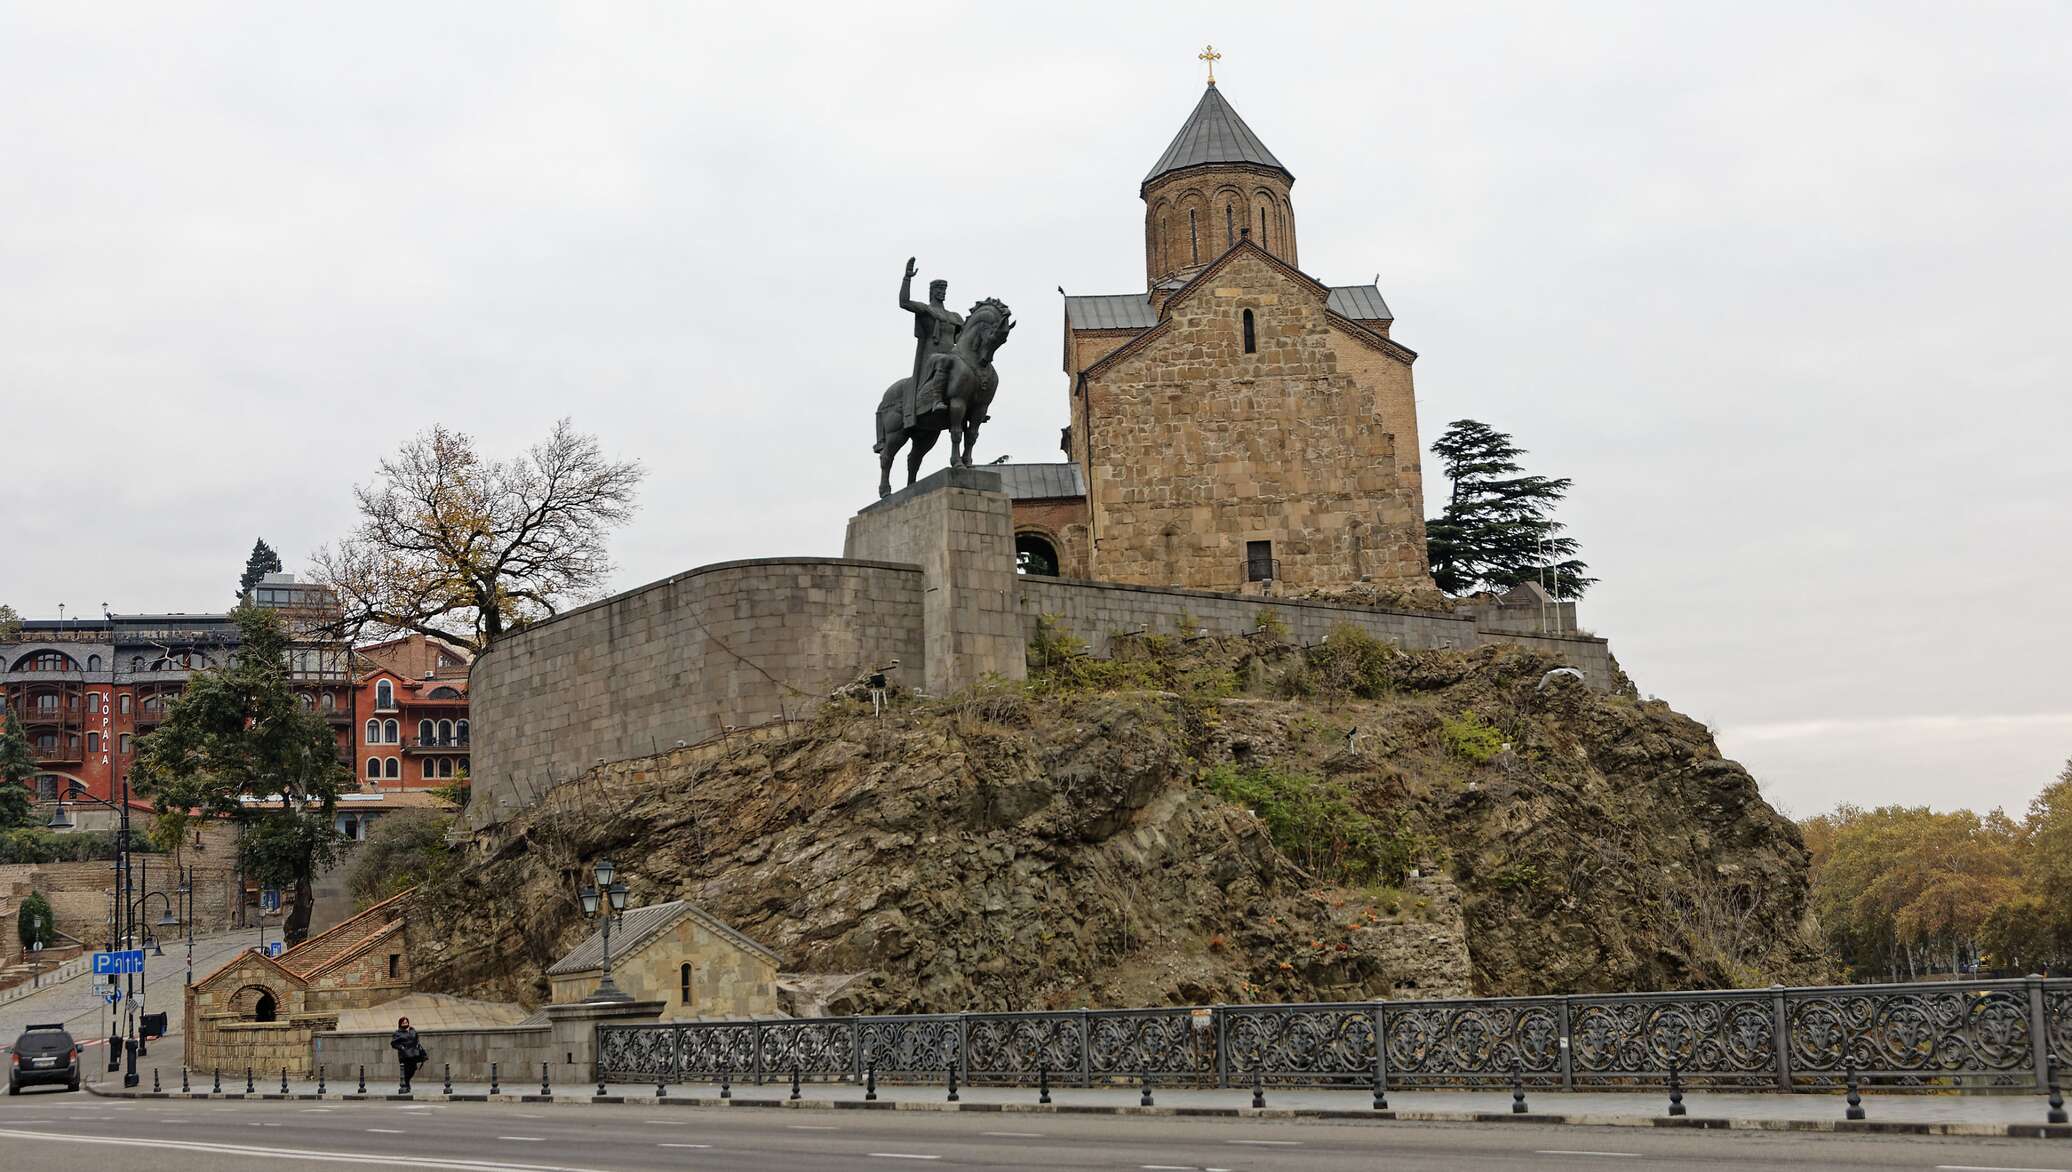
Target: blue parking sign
(114,963)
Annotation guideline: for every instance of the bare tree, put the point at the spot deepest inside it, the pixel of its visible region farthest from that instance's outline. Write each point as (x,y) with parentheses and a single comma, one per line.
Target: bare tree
(465,549)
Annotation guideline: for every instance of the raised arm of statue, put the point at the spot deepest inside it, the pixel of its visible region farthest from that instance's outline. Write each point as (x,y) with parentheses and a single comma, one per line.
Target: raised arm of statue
(906,290)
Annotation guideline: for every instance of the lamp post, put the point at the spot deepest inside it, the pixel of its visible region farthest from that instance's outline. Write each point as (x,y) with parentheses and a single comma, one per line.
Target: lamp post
(120,929)
(151,941)
(187,911)
(612,899)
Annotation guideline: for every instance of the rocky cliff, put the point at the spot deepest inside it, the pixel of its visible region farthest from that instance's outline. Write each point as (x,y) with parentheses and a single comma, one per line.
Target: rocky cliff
(1221,819)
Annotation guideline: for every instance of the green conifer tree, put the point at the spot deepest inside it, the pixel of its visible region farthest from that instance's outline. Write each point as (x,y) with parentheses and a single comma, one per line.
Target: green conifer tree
(17,768)
(1497,529)
(262,562)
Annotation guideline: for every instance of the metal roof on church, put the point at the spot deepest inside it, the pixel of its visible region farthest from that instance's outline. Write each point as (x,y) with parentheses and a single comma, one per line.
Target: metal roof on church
(1133,311)
(1035,482)
(1214,134)
(641,924)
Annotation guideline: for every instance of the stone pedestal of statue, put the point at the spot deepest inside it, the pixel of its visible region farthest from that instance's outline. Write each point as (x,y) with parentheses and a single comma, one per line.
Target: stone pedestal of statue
(958,526)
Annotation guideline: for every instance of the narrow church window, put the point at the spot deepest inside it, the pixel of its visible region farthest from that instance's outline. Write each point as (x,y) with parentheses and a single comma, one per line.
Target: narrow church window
(1193,240)
(1262,228)
(683,978)
(1251,340)
(1229,226)
(395,964)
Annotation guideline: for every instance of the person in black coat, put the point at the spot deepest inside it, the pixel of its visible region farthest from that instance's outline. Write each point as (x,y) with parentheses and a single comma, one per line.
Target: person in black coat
(409,1051)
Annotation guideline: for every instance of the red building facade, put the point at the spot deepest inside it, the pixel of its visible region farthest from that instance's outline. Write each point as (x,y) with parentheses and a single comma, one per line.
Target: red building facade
(413,733)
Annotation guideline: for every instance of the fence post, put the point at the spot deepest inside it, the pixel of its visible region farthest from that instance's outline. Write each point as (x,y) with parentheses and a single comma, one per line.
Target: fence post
(856,1044)
(1381,1042)
(2039,1032)
(755,1045)
(963,1047)
(1222,1036)
(1086,1052)
(1780,1032)
(676,1045)
(1566,1051)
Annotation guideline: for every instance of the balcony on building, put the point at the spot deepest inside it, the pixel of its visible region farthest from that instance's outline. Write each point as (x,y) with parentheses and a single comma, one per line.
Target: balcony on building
(452,744)
(61,751)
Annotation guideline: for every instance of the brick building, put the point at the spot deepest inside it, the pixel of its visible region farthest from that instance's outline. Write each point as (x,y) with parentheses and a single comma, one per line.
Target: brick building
(1239,422)
(415,734)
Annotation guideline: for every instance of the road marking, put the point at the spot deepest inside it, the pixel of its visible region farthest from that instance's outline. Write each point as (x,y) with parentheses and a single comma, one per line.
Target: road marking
(900,1156)
(811,1127)
(524,1139)
(388,1161)
(665,1122)
(1014,1134)
(1268,1143)
(1167,1167)
(1563,1152)
(386,1130)
(1988,1168)
(683,1145)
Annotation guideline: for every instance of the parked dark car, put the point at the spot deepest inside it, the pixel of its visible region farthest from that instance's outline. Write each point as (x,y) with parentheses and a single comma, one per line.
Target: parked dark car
(43,1054)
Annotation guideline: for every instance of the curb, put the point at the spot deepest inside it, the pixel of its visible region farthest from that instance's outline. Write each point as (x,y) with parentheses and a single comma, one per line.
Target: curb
(1838,1126)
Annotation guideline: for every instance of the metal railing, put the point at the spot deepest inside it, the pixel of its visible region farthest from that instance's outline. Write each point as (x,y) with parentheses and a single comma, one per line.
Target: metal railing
(1974,1034)
(456,743)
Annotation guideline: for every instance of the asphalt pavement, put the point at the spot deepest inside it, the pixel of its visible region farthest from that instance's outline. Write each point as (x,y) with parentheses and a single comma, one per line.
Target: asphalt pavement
(77,1002)
(49,1129)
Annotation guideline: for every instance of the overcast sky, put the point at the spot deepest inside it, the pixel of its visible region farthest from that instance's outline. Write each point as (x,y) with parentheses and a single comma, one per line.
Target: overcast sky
(1782,287)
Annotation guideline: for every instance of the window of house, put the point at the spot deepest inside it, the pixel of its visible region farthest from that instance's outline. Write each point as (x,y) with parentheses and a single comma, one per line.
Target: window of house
(93,663)
(445,694)
(460,731)
(392,732)
(1251,338)
(46,661)
(424,732)
(373,769)
(122,743)
(445,732)
(47,787)
(384,695)
(122,704)
(425,769)
(93,742)
(393,769)
(93,702)
(330,701)
(683,981)
(1259,561)
(136,663)
(47,702)
(395,965)
(46,743)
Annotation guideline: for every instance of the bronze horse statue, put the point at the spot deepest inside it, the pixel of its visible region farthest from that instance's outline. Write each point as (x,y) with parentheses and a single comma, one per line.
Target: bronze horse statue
(956,388)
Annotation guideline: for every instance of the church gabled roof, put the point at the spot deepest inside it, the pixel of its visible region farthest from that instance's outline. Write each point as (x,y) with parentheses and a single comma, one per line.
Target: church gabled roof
(1214,134)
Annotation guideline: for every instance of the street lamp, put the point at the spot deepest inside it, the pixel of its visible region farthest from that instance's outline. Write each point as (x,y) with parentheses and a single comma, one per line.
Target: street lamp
(123,930)
(613,898)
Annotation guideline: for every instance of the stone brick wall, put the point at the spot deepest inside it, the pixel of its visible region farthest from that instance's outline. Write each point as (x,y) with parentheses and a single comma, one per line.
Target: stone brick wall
(726,980)
(80,895)
(1097,611)
(728,644)
(1196,448)
(517,1052)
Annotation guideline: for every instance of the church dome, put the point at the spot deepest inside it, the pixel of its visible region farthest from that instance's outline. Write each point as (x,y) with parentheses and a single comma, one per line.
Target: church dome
(1214,136)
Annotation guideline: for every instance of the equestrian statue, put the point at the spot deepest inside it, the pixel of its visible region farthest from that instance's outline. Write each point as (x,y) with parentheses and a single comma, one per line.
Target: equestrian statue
(952,382)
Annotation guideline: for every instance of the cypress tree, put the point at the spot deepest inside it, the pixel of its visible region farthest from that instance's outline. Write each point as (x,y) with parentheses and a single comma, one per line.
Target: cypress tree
(1498,529)
(262,562)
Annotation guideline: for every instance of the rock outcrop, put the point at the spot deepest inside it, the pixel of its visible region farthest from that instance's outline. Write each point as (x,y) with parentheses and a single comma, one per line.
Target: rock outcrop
(1133,832)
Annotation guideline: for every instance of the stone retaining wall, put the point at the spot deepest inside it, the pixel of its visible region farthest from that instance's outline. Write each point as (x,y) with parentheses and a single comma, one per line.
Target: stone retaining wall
(516,1050)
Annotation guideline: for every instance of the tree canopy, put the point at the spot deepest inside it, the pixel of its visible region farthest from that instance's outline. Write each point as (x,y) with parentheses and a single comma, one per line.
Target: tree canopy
(238,734)
(262,562)
(1498,529)
(17,769)
(463,548)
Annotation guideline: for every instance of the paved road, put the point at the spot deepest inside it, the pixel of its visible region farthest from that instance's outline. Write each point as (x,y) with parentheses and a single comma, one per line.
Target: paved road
(76,1003)
(61,1132)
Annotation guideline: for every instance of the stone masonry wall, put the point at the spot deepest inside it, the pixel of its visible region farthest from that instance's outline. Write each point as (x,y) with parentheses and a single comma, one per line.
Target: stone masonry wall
(79,895)
(1096,611)
(517,1052)
(726,980)
(729,644)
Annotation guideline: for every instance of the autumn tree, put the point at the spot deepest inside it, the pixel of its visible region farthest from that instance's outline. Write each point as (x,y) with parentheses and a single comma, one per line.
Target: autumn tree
(238,744)
(1498,527)
(1902,890)
(263,561)
(463,548)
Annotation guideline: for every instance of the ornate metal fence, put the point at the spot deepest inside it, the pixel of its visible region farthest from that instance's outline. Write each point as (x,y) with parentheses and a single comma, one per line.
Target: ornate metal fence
(1972,1033)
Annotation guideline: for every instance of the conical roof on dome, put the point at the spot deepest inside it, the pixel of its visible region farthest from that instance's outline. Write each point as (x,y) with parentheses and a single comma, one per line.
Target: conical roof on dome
(1214,134)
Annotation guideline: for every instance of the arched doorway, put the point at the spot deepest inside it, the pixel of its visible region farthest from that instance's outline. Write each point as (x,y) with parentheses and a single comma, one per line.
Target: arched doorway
(1034,554)
(264,1008)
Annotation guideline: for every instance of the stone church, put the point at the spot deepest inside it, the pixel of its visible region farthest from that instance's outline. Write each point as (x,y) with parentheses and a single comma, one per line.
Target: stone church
(1239,425)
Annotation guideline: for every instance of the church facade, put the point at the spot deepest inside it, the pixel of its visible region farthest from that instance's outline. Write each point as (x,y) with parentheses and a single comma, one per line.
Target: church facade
(1239,426)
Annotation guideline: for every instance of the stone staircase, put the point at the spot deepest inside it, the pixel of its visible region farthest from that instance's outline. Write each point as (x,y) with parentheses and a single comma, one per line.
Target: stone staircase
(40,970)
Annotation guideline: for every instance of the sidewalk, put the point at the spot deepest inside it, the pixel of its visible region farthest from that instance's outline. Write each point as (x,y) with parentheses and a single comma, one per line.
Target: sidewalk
(1927,1114)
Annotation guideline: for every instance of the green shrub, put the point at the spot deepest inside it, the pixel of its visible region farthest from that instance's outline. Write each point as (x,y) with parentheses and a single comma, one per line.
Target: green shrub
(1350,662)
(83,846)
(1317,823)
(35,922)
(1471,738)
(1271,624)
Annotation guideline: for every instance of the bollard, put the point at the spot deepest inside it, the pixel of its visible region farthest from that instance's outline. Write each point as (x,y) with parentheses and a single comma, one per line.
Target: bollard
(546,1088)
(1676,1106)
(492,1078)
(1043,1083)
(284,1080)
(953,1078)
(154,1080)
(217,1089)
(363,1081)
(600,1080)
(661,1090)
(248,1080)
(870,1082)
(2057,1097)
(320,1080)
(726,1081)
(1855,1110)
(1517,1087)
(794,1081)
(183,1080)
(1144,1100)
(1258,1090)
(448,1088)
(1381,1089)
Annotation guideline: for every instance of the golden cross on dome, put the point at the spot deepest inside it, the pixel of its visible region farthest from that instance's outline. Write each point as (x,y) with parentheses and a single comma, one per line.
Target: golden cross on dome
(1209,54)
